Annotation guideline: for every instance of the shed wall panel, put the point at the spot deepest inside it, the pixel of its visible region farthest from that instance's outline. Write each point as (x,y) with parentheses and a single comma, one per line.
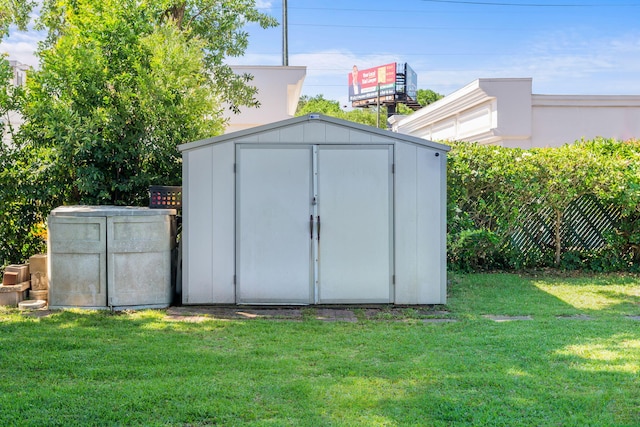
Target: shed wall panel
(292,134)
(429,226)
(407,286)
(377,139)
(272,136)
(223,220)
(248,139)
(315,133)
(209,225)
(359,137)
(198,227)
(337,134)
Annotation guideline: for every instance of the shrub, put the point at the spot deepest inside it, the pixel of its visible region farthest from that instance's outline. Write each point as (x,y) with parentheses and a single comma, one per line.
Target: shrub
(497,193)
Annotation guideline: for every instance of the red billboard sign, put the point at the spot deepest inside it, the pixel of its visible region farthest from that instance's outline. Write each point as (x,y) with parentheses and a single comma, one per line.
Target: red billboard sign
(363,84)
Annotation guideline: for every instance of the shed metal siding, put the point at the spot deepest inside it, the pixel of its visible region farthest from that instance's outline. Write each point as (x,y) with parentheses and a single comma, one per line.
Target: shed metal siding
(419,189)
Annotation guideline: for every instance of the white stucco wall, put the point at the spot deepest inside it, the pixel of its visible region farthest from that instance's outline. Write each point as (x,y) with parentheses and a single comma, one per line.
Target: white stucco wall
(279,90)
(505,112)
(564,119)
(12,120)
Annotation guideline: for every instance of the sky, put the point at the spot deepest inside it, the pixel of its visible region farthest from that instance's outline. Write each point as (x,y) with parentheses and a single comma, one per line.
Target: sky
(565,46)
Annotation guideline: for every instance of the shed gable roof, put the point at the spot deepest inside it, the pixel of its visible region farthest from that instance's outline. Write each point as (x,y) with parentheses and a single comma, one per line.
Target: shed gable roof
(314,129)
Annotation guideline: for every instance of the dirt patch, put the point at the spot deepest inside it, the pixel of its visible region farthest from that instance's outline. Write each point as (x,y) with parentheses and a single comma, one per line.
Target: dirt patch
(350,314)
(575,317)
(500,318)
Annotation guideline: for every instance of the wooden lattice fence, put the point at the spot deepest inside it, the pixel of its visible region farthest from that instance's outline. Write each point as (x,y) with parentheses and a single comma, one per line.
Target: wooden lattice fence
(585,225)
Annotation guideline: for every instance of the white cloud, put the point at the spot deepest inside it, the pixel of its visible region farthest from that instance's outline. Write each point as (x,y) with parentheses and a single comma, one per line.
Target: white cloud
(21,46)
(572,63)
(22,52)
(559,63)
(262,4)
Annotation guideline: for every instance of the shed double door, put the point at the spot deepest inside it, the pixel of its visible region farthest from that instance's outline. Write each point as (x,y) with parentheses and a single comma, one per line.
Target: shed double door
(314,224)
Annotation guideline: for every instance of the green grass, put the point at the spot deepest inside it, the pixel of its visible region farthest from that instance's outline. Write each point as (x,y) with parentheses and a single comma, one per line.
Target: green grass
(89,368)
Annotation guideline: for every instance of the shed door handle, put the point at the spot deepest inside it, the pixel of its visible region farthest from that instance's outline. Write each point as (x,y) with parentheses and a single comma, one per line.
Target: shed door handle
(318,228)
(311,227)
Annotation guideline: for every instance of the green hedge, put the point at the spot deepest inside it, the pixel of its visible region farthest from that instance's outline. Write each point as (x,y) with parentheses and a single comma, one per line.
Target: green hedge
(494,193)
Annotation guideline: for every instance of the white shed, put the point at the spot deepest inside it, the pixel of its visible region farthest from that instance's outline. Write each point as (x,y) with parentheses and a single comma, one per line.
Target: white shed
(314,210)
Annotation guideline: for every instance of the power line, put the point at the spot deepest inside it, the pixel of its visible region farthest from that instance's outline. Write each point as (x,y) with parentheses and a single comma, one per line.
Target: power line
(425,28)
(489,3)
(468,2)
(394,53)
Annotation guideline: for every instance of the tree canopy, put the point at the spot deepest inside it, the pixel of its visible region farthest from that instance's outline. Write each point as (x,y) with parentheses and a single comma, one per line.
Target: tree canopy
(318,104)
(120,84)
(428,96)
(368,116)
(14,12)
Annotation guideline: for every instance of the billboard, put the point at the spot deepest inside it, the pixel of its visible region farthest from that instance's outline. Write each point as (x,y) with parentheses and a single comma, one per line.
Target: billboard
(363,84)
(411,81)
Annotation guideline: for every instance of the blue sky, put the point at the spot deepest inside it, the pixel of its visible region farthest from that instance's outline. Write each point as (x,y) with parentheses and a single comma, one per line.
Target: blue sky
(566,46)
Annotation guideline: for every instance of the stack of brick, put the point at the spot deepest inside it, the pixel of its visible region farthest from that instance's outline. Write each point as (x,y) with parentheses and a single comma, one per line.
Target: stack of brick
(39,277)
(15,284)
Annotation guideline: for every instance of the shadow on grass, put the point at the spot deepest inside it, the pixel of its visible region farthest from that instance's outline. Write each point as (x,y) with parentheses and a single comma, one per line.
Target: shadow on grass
(526,373)
(515,295)
(474,295)
(79,368)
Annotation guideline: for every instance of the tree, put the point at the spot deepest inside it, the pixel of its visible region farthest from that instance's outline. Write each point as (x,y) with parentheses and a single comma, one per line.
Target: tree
(424,98)
(16,222)
(122,83)
(14,12)
(427,96)
(318,104)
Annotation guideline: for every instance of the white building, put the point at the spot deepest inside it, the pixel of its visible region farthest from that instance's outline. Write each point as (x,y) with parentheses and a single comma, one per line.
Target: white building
(503,111)
(13,119)
(279,90)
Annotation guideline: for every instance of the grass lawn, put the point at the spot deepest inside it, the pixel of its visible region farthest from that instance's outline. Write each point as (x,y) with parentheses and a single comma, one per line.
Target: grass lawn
(576,363)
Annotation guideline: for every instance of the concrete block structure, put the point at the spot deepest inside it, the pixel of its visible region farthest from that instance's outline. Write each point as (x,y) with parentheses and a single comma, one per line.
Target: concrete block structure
(110,257)
(39,272)
(11,295)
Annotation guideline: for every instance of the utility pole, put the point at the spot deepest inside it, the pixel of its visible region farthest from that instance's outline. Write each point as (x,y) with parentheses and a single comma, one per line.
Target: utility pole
(378,107)
(285,36)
